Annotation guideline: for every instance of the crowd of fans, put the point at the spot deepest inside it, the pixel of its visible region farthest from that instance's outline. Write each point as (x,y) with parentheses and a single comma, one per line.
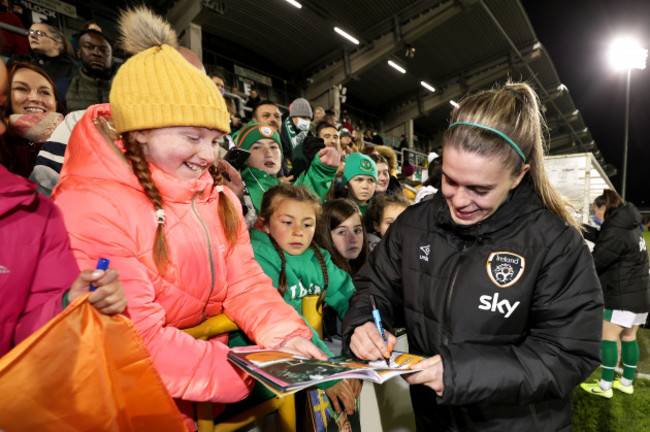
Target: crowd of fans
(306,167)
(296,204)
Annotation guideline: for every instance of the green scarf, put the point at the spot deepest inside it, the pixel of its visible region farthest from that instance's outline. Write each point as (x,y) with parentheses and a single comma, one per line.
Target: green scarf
(257,182)
(296,138)
(291,131)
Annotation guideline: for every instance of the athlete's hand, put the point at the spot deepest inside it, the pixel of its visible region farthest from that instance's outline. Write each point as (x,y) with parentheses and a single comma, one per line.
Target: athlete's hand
(431,375)
(367,344)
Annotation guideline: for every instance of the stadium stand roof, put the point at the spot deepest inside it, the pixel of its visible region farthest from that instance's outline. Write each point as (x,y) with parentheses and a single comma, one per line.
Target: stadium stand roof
(459,46)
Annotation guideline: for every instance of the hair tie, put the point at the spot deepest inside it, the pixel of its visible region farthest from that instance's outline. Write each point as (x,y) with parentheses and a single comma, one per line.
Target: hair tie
(219,188)
(511,90)
(160,216)
(501,134)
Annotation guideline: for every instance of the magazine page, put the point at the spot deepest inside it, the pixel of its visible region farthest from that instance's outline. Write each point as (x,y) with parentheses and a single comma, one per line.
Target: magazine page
(284,372)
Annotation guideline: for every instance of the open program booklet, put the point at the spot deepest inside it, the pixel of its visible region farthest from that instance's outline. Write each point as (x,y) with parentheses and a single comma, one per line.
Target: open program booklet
(285,373)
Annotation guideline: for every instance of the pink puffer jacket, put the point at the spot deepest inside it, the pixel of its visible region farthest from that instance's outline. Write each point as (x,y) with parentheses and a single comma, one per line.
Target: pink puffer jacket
(108,215)
(36,264)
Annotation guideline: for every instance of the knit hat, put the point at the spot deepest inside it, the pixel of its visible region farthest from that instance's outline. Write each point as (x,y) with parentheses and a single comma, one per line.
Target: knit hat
(408,169)
(358,164)
(157,87)
(253,132)
(344,131)
(300,108)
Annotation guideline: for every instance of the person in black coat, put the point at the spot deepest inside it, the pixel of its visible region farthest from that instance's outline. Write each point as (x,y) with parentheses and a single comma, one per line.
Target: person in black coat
(491,278)
(621,260)
(50,51)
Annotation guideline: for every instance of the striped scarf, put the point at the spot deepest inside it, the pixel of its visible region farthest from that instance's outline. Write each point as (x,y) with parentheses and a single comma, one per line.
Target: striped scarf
(34,127)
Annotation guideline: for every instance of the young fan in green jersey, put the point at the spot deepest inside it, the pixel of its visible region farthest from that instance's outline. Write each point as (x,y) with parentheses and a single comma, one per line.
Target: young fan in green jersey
(283,244)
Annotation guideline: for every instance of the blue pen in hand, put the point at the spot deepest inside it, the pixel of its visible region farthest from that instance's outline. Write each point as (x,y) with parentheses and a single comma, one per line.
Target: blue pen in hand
(380,328)
(102,264)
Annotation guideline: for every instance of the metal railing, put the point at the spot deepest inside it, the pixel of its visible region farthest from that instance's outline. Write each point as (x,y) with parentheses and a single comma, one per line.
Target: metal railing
(418,159)
(18,30)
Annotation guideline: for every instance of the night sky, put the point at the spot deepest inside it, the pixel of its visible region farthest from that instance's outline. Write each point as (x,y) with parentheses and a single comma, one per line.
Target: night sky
(576,33)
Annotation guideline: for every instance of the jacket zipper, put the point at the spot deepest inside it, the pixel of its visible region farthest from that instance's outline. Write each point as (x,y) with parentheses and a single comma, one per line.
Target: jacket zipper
(450,291)
(258,182)
(446,327)
(210,257)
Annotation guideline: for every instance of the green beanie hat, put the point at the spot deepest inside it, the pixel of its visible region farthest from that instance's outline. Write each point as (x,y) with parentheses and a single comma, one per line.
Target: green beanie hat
(253,132)
(358,164)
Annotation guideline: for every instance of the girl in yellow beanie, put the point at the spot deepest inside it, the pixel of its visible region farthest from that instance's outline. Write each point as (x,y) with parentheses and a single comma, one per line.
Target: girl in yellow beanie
(139,187)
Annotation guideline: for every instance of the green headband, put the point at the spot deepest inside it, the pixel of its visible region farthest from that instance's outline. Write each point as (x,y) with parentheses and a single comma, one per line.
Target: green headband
(501,134)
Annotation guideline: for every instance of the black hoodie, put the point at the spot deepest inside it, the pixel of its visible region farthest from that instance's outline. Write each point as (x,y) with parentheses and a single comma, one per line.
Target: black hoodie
(621,261)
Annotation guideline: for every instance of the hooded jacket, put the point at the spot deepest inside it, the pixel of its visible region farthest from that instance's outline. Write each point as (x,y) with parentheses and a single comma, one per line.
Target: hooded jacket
(621,260)
(512,304)
(108,215)
(36,264)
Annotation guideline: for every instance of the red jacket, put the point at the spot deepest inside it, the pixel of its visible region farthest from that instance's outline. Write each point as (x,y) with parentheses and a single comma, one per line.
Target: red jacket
(108,215)
(36,264)
(14,44)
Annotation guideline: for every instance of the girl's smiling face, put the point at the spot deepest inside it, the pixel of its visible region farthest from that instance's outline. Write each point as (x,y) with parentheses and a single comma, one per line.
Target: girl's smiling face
(348,237)
(182,152)
(383,177)
(292,225)
(265,155)
(475,186)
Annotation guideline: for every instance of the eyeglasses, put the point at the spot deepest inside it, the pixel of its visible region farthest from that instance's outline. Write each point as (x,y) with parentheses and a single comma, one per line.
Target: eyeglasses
(39,33)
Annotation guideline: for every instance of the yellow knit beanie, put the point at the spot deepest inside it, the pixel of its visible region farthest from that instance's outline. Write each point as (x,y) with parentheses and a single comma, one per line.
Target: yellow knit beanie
(157,87)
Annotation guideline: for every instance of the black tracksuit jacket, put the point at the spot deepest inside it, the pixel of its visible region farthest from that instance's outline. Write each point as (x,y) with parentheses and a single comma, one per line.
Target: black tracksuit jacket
(621,261)
(512,304)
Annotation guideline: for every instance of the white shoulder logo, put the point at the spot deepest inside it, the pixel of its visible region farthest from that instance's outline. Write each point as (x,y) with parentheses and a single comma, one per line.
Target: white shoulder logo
(4,270)
(425,250)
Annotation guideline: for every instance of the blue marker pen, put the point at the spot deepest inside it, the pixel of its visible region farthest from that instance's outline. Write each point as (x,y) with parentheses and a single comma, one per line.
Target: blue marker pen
(102,264)
(377,319)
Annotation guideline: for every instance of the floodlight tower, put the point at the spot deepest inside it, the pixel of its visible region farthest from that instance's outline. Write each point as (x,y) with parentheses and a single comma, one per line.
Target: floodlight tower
(627,54)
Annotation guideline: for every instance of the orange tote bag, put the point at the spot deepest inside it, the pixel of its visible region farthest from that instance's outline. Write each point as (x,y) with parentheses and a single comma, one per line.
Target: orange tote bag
(84,371)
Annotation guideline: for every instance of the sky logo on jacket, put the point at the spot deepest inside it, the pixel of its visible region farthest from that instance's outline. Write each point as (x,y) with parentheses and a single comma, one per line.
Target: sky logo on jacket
(505,268)
(492,304)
